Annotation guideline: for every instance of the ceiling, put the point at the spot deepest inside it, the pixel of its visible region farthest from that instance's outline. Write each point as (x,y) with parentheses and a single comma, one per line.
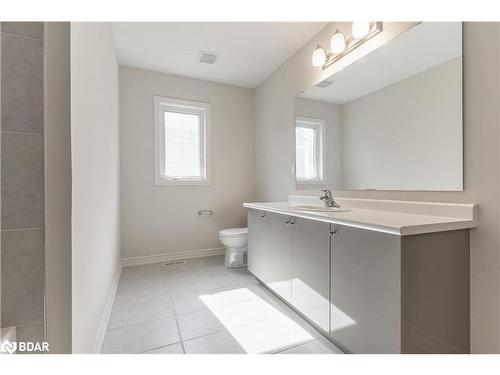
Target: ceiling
(247,52)
(426,45)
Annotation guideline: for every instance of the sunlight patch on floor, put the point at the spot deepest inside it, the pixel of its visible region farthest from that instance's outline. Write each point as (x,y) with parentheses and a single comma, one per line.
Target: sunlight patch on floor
(254,323)
(227,297)
(340,319)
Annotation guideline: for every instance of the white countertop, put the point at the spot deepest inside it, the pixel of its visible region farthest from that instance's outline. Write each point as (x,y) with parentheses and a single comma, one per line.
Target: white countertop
(393,222)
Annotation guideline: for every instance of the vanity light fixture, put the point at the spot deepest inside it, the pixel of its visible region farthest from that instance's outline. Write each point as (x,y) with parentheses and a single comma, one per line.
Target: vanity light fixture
(360,29)
(338,43)
(319,56)
(341,46)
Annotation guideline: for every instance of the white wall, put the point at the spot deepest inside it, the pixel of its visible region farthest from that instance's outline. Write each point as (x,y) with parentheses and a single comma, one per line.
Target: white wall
(274,119)
(390,142)
(95,174)
(332,114)
(162,219)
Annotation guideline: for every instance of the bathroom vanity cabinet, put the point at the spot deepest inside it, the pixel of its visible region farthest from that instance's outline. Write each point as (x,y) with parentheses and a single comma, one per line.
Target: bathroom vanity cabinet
(291,257)
(369,291)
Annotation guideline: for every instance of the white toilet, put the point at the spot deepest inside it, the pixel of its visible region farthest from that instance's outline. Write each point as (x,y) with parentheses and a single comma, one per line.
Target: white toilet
(236,241)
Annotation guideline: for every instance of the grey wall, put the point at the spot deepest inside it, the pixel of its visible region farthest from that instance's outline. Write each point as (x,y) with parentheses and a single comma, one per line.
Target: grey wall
(22,176)
(390,142)
(274,118)
(163,219)
(95,181)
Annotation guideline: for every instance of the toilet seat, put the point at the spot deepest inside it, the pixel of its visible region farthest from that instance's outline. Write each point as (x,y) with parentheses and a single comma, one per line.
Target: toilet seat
(234,232)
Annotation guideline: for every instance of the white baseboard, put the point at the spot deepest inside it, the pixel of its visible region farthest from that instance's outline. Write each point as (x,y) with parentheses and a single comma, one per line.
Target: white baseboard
(169,257)
(101,332)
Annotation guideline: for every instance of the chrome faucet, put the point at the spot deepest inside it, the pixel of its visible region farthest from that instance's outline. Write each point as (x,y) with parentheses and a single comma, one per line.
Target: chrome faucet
(328,199)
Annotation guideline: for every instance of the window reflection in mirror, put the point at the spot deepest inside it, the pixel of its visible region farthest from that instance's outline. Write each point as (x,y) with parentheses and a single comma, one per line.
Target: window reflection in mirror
(309,149)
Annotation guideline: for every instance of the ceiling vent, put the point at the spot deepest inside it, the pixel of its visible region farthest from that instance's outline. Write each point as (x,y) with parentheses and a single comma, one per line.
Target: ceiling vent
(207,57)
(324,84)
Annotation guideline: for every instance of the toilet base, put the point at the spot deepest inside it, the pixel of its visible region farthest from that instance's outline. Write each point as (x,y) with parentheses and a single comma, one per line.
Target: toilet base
(235,257)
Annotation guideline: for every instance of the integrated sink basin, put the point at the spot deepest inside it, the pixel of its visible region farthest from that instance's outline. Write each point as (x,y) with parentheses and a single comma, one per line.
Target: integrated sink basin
(318,208)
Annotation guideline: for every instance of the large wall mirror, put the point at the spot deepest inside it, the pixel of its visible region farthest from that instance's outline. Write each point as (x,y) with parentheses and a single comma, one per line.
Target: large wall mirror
(392,120)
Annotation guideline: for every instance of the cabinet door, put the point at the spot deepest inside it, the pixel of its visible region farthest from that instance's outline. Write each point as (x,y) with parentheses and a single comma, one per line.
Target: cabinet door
(269,251)
(258,234)
(311,270)
(280,256)
(366,290)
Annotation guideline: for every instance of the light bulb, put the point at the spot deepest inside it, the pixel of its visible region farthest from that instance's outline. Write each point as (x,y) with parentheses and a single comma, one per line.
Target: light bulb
(337,43)
(360,29)
(319,56)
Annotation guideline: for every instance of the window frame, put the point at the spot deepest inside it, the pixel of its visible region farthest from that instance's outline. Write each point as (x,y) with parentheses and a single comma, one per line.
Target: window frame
(317,124)
(164,104)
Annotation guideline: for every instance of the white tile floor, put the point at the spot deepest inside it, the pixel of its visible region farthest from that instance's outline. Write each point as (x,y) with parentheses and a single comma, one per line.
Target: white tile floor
(201,307)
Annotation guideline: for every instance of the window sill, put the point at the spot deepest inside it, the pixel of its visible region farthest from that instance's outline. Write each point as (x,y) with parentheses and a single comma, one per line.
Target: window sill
(180,182)
(311,182)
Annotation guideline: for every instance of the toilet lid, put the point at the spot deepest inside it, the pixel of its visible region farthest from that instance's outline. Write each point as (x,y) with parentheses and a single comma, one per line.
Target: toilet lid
(234,232)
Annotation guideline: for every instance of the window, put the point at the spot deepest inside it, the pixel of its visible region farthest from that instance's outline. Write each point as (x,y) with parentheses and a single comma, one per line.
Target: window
(182,136)
(309,150)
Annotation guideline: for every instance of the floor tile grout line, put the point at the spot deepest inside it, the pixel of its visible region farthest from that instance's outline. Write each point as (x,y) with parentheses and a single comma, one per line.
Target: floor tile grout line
(178,329)
(295,346)
(226,288)
(124,329)
(124,326)
(313,339)
(163,346)
(139,323)
(206,334)
(190,312)
(281,308)
(235,327)
(208,308)
(214,289)
(176,315)
(201,336)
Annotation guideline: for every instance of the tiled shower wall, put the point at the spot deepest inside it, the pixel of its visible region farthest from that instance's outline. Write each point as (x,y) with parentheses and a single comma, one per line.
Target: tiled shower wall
(22,179)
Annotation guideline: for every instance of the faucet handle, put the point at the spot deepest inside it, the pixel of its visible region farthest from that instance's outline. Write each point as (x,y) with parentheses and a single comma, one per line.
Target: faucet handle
(328,194)
(328,199)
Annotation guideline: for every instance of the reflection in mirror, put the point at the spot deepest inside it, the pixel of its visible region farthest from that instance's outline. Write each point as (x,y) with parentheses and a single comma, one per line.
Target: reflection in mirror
(309,150)
(390,121)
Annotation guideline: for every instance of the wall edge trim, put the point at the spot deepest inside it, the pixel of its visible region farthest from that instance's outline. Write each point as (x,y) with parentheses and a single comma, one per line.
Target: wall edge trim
(108,307)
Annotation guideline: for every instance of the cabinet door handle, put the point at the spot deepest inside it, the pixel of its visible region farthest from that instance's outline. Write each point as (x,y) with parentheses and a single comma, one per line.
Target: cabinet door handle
(292,221)
(263,214)
(333,233)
